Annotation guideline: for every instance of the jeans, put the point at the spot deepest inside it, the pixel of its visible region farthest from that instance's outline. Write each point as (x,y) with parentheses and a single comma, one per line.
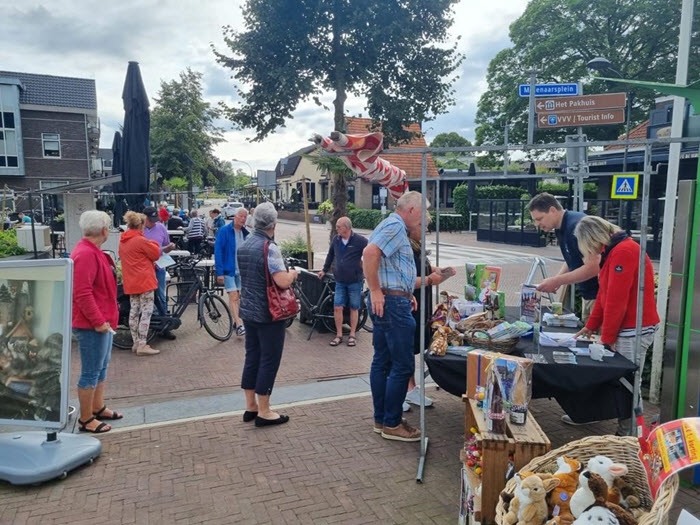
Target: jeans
(161,302)
(348,294)
(264,343)
(393,362)
(95,353)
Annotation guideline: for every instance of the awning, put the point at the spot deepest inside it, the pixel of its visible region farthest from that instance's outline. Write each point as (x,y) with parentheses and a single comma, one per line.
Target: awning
(66,188)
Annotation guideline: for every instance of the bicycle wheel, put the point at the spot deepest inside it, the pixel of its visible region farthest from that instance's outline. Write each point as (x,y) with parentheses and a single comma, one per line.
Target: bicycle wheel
(289,322)
(215,316)
(325,314)
(122,339)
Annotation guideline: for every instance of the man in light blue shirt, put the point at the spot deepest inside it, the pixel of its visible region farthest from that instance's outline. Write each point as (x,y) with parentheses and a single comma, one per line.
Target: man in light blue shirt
(390,272)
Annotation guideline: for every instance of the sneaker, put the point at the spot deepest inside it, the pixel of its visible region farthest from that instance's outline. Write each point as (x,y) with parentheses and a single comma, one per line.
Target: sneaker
(378,427)
(146,350)
(413,397)
(401,432)
(566,419)
(406,407)
(240,330)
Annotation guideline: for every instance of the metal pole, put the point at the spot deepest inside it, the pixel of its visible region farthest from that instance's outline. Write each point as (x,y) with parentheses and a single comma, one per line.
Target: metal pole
(670,202)
(627,130)
(505,152)
(31,208)
(531,111)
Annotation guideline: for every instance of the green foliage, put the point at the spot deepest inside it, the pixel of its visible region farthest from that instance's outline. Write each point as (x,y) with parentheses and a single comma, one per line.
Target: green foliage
(176,183)
(590,189)
(449,224)
(325,207)
(461,199)
(8,244)
(639,37)
(365,219)
(291,52)
(450,140)
(461,195)
(182,126)
(295,245)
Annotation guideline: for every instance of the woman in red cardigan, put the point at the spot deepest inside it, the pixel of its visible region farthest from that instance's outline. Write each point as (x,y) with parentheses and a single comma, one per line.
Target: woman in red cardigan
(615,311)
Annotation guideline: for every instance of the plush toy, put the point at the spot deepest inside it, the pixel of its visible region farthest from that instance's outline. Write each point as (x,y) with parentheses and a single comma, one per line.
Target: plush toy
(597,516)
(529,506)
(629,497)
(560,498)
(438,346)
(598,488)
(608,470)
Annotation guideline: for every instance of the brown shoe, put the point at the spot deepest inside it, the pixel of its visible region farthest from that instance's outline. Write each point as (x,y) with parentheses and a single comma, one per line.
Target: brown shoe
(379,426)
(401,432)
(146,350)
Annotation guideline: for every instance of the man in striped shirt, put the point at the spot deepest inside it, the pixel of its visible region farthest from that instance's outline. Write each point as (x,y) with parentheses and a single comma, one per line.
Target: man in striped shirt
(196,230)
(390,272)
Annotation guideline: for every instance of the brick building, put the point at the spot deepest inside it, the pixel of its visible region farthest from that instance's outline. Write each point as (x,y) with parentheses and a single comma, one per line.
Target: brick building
(49,130)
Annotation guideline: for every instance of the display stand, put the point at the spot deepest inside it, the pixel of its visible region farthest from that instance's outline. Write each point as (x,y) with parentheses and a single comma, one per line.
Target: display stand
(538,263)
(524,442)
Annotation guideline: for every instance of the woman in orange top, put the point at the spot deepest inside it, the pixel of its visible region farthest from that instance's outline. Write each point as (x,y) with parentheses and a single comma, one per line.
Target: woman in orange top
(137,255)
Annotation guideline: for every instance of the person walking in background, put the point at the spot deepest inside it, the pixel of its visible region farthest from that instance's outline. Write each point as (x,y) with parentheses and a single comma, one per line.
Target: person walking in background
(138,255)
(578,269)
(264,339)
(250,220)
(433,276)
(615,311)
(95,312)
(215,222)
(228,240)
(155,231)
(195,230)
(346,250)
(391,276)
(163,213)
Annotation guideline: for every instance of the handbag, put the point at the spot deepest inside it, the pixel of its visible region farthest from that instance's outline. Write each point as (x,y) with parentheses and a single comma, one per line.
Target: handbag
(282,303)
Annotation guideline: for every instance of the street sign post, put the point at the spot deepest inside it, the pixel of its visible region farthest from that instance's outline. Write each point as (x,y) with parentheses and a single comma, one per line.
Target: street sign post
(584,102)
(549,90)
(581,118)
(625,186)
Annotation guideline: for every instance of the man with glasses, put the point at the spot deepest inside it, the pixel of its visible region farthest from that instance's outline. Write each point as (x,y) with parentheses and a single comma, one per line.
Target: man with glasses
(346,250)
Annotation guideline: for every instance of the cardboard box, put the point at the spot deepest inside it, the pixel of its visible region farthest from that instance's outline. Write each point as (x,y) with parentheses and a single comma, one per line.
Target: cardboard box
(477,362)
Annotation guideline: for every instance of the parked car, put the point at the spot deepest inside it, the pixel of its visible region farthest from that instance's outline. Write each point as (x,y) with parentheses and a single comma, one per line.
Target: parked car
(229,209)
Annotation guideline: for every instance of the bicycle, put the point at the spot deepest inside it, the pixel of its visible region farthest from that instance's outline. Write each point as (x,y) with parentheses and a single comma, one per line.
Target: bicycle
(212,311)
(322,311)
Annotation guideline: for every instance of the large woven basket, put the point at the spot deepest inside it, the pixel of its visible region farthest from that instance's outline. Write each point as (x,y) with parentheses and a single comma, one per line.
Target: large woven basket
(503,346)
(620,450)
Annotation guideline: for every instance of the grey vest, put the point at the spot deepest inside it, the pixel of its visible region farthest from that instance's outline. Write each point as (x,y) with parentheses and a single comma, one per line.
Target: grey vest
(254,305)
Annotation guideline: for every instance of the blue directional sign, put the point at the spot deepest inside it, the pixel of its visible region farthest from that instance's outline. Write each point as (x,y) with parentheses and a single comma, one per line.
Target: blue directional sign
(549,90)
(625,186)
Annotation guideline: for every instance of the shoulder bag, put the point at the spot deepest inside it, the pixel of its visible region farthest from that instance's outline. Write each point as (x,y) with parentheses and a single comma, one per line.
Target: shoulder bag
(282,303)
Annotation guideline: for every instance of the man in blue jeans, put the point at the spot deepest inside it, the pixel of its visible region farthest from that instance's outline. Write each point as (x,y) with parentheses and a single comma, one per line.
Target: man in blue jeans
(346,250)
(391,276)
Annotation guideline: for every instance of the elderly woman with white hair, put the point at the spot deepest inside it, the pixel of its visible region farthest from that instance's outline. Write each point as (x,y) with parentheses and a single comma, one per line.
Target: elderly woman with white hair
(264,338)
(614,314)
(95,312)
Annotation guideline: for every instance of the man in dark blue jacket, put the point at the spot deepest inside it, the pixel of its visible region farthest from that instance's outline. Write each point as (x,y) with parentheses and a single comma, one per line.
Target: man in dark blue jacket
(346,250)
(228,239)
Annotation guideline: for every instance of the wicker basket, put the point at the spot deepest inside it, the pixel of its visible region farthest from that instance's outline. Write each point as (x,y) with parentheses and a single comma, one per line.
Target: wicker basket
(503,346)
(619,449)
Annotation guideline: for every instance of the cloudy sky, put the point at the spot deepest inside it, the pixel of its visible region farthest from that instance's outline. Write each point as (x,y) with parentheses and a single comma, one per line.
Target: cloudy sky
(92,39)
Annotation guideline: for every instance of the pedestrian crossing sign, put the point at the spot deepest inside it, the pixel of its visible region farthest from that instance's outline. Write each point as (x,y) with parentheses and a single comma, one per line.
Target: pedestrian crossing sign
(625,186)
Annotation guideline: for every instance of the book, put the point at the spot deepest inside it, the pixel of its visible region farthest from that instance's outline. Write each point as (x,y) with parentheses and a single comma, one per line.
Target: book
(530,300)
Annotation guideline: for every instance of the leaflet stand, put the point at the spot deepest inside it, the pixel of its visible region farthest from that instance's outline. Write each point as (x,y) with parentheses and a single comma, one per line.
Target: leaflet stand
(538,263)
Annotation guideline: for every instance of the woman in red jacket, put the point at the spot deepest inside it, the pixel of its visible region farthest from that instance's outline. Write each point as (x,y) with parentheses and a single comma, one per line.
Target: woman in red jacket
(138,254)
(94,314)
(615,311)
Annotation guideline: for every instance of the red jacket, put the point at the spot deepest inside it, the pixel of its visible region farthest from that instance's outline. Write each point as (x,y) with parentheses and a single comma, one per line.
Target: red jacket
(137,255)
(616,303)
(94,287)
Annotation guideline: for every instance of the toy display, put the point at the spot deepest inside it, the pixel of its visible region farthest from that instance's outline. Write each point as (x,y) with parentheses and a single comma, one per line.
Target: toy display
(567,473)
(529,506)
(30,350)
(593,489)
(609,471)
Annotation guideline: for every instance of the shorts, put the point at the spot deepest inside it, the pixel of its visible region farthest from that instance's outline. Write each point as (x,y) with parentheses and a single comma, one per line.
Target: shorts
(232,283)
(348,294)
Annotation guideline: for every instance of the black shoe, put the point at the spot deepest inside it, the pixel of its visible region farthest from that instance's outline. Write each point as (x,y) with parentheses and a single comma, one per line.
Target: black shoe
(168,335)
(261,422)
(249,415)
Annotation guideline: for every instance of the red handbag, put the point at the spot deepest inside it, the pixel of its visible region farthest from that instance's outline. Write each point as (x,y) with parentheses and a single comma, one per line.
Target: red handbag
(282,303)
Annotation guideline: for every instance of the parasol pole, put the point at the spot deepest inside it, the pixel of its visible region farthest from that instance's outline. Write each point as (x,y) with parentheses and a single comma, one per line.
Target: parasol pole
(309,252)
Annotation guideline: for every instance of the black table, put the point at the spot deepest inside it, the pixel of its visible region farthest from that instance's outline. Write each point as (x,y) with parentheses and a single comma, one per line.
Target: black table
(588,391)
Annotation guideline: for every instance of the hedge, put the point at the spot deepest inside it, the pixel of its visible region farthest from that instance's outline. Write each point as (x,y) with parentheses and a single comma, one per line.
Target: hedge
(8,244)
(365,219)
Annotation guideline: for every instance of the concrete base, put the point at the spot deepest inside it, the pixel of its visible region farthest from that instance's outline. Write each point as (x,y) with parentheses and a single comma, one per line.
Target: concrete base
(27,457)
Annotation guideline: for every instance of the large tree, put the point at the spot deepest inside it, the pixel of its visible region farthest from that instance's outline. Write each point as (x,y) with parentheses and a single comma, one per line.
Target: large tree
(392,53)
(183,134)
(558,37)
(452,159)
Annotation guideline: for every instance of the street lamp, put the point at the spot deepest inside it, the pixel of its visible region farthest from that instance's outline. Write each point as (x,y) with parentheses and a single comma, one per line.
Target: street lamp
(603,64)
(257,193)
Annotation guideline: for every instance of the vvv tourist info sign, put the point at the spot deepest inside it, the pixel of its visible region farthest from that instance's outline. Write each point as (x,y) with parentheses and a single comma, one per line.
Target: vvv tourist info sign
(625,186)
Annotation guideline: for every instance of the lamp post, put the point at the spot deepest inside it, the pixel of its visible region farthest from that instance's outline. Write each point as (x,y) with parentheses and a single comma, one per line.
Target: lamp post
(603,64)
(257,192)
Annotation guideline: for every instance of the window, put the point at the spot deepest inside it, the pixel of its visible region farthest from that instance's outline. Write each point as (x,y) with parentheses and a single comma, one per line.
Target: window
(52,144)
(8,140)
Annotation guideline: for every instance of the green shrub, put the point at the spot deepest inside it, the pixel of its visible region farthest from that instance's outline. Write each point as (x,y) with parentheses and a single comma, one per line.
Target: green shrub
(590,189)
(449,224)
(8,244)
(295,245)
(365,219)
(326,207)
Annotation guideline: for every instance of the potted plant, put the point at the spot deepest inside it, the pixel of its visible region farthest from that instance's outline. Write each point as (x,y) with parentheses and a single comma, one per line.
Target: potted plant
(296,249)
(58,224)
